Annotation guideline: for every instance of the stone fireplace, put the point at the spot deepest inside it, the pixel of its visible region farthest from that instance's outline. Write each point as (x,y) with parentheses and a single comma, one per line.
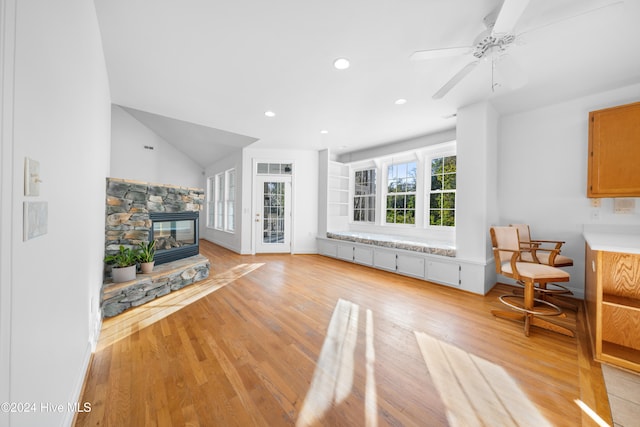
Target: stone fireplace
(141,212)
(131,205)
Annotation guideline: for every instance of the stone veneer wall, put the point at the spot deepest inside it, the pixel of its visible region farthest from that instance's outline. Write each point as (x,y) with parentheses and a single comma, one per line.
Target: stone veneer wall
(127,223)
(129,204)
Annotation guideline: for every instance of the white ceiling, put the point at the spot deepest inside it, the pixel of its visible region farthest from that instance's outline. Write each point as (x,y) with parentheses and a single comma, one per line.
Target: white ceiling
(222,64)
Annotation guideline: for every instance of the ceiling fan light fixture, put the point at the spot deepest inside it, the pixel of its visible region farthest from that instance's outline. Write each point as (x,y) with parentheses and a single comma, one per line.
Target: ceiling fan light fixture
(341,64)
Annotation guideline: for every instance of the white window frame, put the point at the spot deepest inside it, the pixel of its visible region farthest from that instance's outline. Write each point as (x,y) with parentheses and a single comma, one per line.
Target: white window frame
(429,191)
(385,192)
(372,196)
(219,202)
(422,157)
(221,205)
(230,200)
(211,185)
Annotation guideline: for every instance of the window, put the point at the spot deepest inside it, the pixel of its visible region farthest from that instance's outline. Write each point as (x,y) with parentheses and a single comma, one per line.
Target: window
(219,201)
(364,199)
(222,201)
(274,168)
(401,193)
(211,201)
(442,195)
(230,201)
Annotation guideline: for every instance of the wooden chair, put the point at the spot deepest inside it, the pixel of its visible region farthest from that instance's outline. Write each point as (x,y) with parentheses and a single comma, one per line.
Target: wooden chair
(542,251)
(507,252)
(546,252)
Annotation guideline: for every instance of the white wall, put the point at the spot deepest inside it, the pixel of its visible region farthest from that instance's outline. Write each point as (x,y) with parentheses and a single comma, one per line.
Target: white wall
(304,197)
(162,165)
(543,173)
(232,241)
(476,180)
(61,116)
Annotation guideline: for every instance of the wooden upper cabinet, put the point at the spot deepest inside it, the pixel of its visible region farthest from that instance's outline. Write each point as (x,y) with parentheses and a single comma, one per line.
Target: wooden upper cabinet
(614,152)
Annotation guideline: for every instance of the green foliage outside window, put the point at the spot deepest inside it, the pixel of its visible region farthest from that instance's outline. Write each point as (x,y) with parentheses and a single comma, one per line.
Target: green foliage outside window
(401,194)
(442,197)
(364,200)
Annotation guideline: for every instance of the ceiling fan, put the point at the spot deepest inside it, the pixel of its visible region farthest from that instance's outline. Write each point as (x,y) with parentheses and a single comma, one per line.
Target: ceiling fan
(491,43)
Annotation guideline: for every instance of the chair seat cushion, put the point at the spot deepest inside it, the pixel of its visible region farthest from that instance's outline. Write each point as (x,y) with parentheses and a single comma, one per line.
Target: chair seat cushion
(536,271)
(543,257)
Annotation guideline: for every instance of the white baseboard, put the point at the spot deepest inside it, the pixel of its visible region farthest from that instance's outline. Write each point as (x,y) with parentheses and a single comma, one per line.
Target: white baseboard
(78,388)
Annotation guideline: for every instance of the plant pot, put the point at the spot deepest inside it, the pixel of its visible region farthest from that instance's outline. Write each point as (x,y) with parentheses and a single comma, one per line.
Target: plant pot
(123,274)
(147,267)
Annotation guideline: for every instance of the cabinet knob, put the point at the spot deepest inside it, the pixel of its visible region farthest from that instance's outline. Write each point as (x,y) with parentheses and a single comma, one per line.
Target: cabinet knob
(593,266)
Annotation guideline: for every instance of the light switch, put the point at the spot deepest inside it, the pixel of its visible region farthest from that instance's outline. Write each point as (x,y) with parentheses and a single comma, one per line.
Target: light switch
(31,177)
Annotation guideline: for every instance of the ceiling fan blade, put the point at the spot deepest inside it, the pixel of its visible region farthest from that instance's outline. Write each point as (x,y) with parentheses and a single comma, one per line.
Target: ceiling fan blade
(510,12)
(439,53)
(455,79)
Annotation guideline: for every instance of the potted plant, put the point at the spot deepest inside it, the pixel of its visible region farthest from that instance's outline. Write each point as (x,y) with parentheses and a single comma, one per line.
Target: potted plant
(146,254)
(123,264)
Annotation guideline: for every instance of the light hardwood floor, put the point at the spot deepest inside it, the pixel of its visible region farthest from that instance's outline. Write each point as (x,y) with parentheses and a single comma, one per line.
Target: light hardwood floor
(275,340)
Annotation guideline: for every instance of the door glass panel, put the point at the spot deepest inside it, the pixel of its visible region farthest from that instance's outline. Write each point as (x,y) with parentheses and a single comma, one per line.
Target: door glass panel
(273,221)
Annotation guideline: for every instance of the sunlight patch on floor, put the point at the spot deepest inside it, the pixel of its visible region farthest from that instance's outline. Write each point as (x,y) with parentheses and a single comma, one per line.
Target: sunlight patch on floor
(333,377)
(370,397)
(591,413)
(123,325)
(475,391)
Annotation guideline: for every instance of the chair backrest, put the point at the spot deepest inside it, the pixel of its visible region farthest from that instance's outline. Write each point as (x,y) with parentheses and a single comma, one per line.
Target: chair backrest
(523,232)
(504,238)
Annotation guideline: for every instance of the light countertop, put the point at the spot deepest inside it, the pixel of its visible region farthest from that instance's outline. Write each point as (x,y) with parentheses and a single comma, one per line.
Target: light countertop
(613,241)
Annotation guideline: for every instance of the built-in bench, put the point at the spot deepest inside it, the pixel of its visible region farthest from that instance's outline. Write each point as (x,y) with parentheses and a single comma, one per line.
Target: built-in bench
(396,242)
(165,278)
(431,261)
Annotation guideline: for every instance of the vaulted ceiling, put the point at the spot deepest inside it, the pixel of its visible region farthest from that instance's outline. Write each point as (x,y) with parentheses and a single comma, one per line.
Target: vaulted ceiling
(222,64)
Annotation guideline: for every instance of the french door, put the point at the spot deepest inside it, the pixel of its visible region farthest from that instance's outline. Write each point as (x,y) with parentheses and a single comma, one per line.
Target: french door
(273,214)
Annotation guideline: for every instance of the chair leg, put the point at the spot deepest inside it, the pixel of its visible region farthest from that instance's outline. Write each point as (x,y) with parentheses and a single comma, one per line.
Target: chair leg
(545,324)
(527,312)
(510,315)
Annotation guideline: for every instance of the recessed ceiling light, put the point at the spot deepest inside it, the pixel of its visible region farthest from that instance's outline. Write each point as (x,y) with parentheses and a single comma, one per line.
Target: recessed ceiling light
(269,114)
(341,63)
(401,101)
(324,131)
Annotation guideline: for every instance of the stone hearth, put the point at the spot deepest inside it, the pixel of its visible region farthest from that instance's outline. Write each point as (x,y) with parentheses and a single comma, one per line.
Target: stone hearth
(165,278)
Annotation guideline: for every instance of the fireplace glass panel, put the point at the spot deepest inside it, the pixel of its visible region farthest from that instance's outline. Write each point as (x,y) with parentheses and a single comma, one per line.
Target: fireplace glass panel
(174,234)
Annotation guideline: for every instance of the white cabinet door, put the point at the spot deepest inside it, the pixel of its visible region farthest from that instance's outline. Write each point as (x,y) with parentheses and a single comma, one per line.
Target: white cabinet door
(410,265)
(385,260)
(345,252)
(363,255)
(327,248)
(443,272)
